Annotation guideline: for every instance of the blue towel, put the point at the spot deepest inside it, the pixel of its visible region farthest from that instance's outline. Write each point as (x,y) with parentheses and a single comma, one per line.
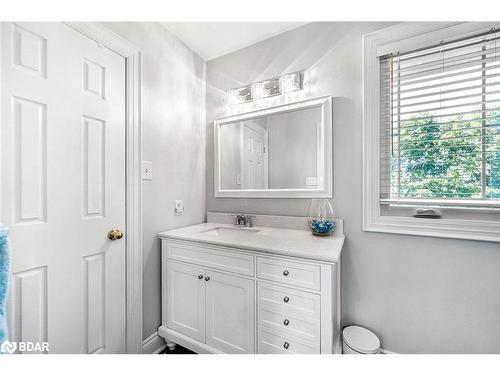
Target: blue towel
(4,280)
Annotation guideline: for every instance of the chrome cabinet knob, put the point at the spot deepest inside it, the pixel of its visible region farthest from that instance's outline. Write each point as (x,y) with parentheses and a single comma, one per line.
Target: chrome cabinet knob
(200,277)
(286,299)
(207,278)
(286,344)
(286,322)
(286,273)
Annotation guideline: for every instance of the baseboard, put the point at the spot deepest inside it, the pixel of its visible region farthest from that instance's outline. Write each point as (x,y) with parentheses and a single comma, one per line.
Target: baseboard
(154,344)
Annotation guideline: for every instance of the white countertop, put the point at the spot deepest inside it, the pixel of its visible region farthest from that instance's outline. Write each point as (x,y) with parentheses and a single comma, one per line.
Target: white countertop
(289,242)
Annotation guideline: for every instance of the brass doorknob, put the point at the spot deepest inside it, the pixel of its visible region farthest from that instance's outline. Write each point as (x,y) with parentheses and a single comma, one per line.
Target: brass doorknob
(115,234)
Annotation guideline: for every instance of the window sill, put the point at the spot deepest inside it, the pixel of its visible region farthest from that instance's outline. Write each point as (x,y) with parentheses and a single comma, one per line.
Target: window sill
(447,228)
(476,205)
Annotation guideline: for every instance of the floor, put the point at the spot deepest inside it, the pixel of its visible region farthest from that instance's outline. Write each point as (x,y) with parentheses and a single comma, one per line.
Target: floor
(178,350)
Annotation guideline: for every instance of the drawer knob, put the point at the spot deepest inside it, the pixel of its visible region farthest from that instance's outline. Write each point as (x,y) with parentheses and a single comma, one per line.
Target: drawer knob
(207,278)
(286,322)
(286,345)
(286,299)
(200,277)
(285,273)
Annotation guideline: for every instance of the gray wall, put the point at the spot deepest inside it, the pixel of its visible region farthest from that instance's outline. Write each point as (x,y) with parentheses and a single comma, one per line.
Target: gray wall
(418,294)
(173,136)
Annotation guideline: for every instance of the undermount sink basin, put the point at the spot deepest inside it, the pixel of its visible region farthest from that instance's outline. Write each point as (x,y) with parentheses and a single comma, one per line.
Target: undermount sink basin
(232,232)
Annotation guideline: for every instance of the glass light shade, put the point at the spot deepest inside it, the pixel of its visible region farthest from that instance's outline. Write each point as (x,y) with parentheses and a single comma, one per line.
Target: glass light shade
(320,217)
(265,89)
(258,90)
(290,83)
(237,96)
(231,97)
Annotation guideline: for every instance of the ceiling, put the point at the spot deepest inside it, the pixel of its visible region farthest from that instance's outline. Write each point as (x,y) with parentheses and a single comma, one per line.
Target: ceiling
(213,39)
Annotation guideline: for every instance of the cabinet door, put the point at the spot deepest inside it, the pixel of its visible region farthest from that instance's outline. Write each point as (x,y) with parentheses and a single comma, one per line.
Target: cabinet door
(230,309)
(186,300)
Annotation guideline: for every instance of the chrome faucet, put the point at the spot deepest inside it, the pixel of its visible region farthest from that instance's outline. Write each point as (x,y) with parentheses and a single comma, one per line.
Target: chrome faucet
(239,219)
(243,220)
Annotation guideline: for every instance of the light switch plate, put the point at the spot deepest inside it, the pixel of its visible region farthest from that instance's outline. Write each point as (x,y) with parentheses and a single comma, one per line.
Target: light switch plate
(147,170)
(178,207)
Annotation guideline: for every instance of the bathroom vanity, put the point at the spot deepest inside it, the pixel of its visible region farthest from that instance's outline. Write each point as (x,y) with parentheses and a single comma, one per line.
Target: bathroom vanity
(272,288)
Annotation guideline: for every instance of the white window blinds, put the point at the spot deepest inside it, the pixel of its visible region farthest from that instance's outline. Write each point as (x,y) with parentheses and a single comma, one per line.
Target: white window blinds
(440,124)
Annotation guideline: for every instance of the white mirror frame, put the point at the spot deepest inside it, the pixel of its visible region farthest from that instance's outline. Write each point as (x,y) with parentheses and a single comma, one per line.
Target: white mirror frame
(325,153)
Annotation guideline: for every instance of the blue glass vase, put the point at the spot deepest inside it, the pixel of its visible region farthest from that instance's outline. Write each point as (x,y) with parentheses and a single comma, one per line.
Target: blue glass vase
(320,218)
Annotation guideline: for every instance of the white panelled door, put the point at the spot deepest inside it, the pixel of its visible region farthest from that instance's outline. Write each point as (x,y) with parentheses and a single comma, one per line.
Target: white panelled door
(254,156)
(63,187)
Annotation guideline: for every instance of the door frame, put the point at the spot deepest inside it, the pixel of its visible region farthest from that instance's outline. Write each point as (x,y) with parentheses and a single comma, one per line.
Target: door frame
(133,180)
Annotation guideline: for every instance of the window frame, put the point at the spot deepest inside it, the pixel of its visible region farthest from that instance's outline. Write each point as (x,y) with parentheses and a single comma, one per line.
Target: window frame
(405,37)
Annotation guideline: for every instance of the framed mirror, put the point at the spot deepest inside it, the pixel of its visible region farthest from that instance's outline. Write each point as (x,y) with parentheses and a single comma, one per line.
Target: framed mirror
(278,152)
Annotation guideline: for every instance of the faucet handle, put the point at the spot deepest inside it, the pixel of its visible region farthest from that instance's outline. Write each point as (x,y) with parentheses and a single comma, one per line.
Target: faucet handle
(249,220)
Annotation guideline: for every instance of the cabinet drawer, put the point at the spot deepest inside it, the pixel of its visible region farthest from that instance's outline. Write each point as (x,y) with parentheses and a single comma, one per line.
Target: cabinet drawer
(210,256)
(289,272)
(306,328)
(289,301)
(275,343)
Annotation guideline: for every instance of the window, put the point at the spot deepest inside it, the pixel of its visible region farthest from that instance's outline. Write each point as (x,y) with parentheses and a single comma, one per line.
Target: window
(432,129)
(440,119)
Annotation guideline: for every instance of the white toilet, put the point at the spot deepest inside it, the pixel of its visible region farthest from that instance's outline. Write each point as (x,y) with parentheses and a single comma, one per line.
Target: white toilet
(359,340)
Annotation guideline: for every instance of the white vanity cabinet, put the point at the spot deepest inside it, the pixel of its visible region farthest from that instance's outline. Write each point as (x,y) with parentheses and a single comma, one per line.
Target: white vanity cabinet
(219,299)
(211,307)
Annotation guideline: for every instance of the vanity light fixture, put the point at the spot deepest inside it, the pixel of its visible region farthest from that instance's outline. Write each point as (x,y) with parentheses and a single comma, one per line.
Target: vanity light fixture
(264,89)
